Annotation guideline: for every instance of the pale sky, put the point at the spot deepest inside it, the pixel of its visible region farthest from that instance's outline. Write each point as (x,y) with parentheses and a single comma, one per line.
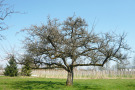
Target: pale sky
(109,15)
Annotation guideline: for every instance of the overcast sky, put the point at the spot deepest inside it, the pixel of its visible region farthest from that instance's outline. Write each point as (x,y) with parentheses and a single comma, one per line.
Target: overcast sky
(108,15)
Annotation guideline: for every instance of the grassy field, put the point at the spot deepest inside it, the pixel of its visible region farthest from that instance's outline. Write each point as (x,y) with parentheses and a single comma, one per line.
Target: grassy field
(30,83)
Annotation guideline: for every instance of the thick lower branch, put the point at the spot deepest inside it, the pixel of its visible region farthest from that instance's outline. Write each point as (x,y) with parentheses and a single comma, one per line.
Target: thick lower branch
(48,68)
(105,60)
(87,65)
(58,65)
(65,62)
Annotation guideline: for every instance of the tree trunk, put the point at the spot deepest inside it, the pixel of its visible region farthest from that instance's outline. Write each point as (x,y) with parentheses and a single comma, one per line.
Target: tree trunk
(70,78)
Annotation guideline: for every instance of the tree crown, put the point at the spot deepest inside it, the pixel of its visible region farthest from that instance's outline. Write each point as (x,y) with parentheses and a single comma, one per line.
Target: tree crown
(69,44)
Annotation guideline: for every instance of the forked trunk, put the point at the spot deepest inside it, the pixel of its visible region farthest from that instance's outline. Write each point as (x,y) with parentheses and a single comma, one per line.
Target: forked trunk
(69,78)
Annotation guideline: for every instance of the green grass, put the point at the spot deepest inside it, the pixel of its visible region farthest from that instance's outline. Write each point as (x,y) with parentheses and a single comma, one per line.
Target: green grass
(29,83)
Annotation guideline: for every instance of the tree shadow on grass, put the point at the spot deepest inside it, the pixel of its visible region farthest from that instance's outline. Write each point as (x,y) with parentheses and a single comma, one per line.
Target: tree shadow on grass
(49,85)
(131,85)
(37,85)
(87,87)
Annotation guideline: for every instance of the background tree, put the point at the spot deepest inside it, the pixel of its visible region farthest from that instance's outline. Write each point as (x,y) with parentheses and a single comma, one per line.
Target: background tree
(11,69)
(27,62)
(69,44)
(5,11)
(122,64)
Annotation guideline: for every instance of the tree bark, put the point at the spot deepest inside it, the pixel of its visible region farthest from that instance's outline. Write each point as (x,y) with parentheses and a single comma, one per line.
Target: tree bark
(70,78)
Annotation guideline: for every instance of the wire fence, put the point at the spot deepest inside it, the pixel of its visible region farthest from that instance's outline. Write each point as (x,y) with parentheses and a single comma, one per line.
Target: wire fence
(85,74)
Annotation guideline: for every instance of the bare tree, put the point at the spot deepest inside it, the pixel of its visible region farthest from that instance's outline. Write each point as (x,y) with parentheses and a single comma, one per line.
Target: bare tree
(5,11)
(69,44)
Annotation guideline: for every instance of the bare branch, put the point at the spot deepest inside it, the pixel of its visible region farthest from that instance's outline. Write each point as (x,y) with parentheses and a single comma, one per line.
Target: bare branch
(88,65)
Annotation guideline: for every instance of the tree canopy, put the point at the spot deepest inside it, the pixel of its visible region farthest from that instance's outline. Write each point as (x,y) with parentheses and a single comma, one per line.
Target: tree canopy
(70,43)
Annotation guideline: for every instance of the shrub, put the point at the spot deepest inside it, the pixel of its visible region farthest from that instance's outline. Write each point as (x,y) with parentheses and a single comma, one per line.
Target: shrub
(26,69)
(11,69)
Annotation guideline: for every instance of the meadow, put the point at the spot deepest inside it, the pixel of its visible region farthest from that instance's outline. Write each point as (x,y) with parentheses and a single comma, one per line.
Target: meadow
(38,83)
(83,80)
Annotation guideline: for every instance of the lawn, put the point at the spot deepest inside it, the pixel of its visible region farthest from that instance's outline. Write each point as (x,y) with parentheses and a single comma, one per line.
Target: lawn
(29,83)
